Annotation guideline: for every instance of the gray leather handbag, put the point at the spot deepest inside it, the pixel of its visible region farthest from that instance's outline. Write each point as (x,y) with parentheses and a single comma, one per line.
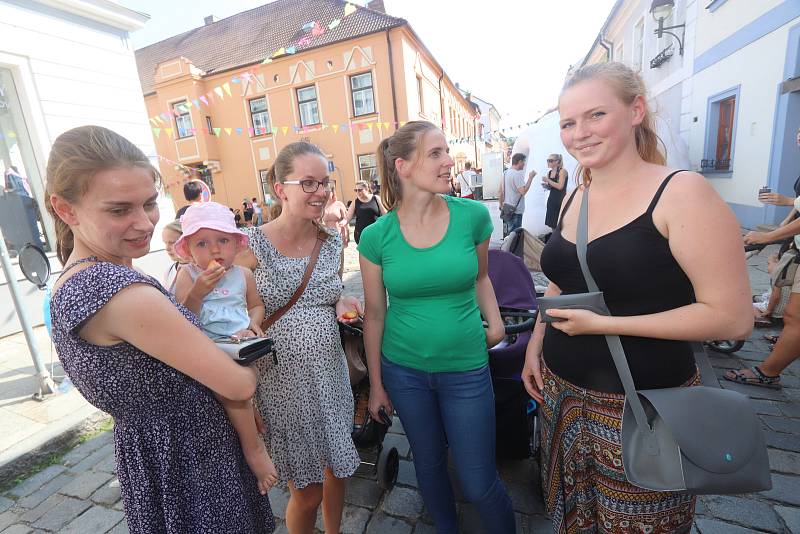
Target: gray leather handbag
(699,439)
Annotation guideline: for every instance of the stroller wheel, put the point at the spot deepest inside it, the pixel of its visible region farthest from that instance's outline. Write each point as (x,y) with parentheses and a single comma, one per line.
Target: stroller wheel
(388,467)
(725,346)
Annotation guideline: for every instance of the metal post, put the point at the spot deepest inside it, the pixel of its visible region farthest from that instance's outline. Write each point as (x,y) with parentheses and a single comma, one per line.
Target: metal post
(46,385)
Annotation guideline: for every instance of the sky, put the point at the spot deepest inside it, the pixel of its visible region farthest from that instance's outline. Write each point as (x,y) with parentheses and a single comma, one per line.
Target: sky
(512,53)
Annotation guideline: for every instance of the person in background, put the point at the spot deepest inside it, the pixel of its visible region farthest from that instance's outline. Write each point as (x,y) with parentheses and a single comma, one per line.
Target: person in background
(366,208)
(428,352)
(336,217)
(170,234)
(134,352)
(787,345)
(192,192)
(666,252)
(258,218)
(556,181)
(513,189)
(465,180)
(375,187)
(247,211)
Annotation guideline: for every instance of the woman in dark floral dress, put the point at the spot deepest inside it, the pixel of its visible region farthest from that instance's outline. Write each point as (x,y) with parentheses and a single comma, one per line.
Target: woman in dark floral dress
(133,352)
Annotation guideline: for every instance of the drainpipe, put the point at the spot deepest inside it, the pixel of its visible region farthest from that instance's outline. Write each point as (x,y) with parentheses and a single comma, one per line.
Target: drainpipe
(606,45)
(441,99)
(391,76)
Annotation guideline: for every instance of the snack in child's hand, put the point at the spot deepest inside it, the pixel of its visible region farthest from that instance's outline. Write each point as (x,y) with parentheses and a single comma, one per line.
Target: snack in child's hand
(350,314)
(213,264)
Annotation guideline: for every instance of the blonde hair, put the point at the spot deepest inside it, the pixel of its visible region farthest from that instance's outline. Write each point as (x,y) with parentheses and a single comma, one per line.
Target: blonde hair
(363,183)
(284,166)
(76,156)
(174,226)
(628,85)
(402,144)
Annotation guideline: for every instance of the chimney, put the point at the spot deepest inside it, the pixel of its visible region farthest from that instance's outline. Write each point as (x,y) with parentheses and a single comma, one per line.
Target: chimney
(376,5)
(211,19)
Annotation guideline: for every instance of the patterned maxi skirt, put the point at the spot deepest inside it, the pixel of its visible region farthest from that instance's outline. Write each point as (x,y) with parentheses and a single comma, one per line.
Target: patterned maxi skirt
(584,482)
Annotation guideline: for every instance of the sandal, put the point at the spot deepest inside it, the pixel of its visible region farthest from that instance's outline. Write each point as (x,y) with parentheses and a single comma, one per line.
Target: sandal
(758,378)
(770,338)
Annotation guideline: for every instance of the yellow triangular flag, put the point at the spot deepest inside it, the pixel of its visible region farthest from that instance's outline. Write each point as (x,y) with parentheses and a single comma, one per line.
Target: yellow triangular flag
(279,52)
(284,129)
(228,130)
(218,90)
(402,123)
(369,125)
(227,88)
(266,61)
(386,125)
(169,131)
(335,128)
(157,131)
(349,9)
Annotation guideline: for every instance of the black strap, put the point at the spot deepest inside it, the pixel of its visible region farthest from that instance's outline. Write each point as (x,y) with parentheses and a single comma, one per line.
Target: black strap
(566,206)
(660,190)
(75,263)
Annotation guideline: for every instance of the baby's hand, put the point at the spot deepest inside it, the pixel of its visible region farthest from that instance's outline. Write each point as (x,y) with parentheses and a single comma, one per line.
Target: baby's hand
(208,279)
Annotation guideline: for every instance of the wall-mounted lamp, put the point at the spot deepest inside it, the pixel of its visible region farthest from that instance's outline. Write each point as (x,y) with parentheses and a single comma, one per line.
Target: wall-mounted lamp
(661,10)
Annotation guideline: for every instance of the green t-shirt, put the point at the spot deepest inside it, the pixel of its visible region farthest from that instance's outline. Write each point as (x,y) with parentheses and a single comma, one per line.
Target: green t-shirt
(433,322)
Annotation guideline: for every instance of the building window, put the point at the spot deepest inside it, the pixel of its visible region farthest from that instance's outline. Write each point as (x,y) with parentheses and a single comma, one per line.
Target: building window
(307,102)
(183,119)
(363,97)
(638,45)
(366,167)
(720,132)
(259,116)
(420,96)
(209,126)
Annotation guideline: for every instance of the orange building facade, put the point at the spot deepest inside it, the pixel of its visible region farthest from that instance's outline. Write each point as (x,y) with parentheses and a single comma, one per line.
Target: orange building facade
(226,127)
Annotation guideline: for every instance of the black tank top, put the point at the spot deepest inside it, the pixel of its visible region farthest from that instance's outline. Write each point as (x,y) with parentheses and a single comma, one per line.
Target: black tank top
(638,275)
(366,213)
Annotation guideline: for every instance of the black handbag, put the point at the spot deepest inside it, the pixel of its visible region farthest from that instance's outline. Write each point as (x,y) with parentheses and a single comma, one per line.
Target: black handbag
(699,439)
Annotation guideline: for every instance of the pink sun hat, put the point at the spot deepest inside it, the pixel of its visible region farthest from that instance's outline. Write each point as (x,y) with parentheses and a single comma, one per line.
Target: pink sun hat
(210,215)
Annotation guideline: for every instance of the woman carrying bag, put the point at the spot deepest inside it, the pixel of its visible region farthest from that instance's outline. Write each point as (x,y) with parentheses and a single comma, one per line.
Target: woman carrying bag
(666,252)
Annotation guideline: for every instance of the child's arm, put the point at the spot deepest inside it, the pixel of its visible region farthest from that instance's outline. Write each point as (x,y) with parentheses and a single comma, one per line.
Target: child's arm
(255,306)
(190,292)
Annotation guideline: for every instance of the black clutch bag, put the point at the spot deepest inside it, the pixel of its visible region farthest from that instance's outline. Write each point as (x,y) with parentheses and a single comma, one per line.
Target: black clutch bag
(246,350)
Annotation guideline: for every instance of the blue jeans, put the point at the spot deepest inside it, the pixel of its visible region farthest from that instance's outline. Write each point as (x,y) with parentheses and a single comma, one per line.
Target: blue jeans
(512,224)
(454,411)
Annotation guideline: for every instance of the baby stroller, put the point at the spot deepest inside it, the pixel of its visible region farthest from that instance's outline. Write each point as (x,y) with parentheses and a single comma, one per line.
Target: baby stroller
(367,433)
(515,411)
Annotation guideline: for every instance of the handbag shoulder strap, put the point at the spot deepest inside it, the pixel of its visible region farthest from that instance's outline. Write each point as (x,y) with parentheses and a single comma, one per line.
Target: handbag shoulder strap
(312,262)
(613,341)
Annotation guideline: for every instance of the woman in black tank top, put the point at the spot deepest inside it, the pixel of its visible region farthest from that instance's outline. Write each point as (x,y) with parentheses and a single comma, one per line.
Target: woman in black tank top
(366,208)
(667,254)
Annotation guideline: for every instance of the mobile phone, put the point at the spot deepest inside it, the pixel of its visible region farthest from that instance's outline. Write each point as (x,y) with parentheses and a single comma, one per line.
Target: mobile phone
(764,190)
(385,419)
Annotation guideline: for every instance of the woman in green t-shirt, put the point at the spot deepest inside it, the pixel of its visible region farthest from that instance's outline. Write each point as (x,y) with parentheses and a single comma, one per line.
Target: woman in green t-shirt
(428,351)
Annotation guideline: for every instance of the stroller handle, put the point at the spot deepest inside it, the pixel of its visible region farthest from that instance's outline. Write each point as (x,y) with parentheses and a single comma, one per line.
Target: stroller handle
(525,326)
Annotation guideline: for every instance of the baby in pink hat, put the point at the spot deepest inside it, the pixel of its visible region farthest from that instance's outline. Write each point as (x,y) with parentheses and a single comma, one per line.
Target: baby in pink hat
(225,299)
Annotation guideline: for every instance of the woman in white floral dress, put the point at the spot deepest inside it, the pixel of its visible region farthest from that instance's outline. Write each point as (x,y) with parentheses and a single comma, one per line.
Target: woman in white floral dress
(305,397)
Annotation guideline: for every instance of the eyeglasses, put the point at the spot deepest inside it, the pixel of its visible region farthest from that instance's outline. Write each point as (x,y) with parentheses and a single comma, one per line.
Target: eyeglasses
(358,189)
(311,186)
(551,160)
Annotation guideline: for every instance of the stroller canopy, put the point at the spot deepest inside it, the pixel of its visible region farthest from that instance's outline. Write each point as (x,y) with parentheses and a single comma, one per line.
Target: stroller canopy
(513,285)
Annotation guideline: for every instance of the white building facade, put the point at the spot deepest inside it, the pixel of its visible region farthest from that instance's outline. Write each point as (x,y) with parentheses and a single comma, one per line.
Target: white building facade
(63,63)
(745,102)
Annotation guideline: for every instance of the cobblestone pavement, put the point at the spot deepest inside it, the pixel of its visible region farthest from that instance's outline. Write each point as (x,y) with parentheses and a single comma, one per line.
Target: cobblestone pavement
(80,493)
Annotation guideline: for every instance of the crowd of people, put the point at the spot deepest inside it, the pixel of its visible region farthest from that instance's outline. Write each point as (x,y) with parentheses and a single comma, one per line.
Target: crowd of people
(200,439)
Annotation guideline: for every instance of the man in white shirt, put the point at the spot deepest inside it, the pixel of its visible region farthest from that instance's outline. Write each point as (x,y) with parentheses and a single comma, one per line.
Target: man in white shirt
(465,179)
(513,189)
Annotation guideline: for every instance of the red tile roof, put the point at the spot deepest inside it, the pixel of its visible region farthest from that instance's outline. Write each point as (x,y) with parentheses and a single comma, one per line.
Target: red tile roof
(251,36)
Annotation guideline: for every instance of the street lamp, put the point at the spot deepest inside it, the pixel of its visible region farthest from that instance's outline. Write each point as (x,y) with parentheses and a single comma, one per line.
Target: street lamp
(661,10)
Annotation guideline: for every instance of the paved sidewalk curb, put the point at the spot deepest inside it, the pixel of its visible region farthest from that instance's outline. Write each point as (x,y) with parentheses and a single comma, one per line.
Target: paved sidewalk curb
(59,437)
